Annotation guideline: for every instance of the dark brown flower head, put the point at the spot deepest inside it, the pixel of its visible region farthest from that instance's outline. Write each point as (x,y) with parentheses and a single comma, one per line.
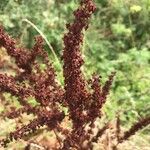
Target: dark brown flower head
(32,81)
(143,122)
(75,84)
(84,104)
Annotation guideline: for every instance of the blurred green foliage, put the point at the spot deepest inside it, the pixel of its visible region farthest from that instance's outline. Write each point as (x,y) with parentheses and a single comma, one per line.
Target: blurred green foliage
(118,39)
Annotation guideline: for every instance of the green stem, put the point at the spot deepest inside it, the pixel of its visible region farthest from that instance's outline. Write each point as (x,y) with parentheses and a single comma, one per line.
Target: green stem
(45,38)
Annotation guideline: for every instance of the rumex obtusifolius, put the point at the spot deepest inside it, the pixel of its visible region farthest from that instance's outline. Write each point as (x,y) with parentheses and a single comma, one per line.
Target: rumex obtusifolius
(84,105)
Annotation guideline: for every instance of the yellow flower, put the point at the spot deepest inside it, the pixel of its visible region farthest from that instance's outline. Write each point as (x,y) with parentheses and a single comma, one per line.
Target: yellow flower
(135,8)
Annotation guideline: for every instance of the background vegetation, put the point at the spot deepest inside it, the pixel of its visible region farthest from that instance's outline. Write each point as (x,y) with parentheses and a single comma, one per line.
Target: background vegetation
(118,39)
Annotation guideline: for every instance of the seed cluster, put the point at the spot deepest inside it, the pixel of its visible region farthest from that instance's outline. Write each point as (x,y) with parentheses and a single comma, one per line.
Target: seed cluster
(84,100)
